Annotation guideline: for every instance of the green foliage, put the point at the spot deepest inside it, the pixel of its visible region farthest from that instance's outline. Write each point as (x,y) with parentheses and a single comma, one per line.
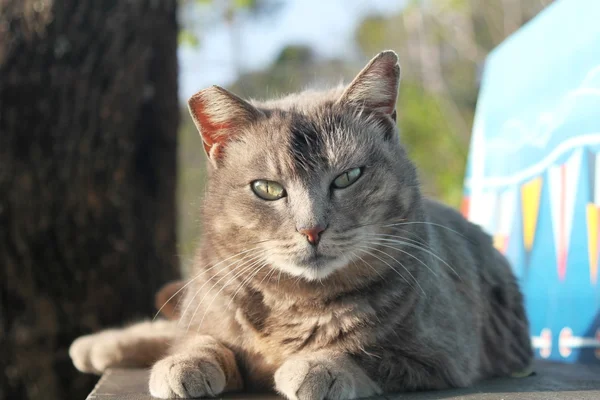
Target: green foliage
(372,33)
(244,3)
(453,5)
(188,38)
(431,143)
(295,68)
(295,54)
(191,164)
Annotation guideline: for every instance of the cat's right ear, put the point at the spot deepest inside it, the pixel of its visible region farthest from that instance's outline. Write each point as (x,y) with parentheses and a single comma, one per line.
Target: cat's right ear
(218,115)
(375,88)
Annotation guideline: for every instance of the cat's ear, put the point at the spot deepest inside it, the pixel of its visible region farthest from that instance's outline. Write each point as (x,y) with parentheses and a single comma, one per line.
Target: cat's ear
(375,88)
(218,114)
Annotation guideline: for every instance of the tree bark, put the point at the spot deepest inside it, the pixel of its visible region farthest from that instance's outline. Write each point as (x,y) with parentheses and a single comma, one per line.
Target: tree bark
(88,124)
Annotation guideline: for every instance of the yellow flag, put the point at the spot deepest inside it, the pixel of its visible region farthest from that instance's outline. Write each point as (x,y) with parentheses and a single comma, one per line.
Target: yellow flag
(530,206)
(592,225)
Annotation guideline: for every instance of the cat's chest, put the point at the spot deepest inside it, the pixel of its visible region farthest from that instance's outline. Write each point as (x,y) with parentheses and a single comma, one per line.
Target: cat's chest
(267,334)
(289,330)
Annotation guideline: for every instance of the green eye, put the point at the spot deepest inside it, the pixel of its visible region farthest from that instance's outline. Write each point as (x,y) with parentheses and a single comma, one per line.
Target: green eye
(268,190)
(347,178)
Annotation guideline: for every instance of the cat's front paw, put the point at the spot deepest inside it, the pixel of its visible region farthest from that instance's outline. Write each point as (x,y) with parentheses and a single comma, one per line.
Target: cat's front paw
(186,377)
(306,378)
(95,353)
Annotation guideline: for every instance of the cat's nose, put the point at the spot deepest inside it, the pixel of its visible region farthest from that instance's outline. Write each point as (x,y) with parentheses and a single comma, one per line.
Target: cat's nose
(313,234)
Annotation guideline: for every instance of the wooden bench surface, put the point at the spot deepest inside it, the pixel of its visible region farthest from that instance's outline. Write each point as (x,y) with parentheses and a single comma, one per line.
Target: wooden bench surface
(552,381)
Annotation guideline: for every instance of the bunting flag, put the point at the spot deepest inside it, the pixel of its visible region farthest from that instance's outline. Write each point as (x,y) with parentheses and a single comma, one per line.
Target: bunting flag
(530,206)
(481,210)
(593,215)
(563,180)
(507,202)
(464,206)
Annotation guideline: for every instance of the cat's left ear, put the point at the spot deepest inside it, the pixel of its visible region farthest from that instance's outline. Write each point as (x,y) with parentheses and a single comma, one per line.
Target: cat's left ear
(375,88)
(219,115)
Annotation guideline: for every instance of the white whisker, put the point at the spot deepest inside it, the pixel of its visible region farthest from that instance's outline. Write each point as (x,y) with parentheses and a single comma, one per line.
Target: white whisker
(367,263)
(246,281)
(196,277)
(420,247)
(190,301)
(380,242)
(389,265)
(253,263)
(237,266)
(426,223)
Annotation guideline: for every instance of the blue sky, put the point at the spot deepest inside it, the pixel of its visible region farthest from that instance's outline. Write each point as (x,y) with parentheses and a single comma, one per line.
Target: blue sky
(326,25)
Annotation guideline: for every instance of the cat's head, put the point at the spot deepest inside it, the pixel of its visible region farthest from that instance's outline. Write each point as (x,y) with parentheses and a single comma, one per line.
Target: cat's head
(301,184)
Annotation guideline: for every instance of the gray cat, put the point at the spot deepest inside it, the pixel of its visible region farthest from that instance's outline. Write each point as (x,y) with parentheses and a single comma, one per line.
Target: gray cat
(323,272)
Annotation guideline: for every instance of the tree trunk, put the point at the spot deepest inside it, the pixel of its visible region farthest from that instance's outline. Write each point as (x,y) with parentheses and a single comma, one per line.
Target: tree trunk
(88,124)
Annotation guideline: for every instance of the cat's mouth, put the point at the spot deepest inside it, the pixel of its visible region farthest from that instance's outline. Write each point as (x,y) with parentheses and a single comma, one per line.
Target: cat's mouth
(316,260)
(312,265)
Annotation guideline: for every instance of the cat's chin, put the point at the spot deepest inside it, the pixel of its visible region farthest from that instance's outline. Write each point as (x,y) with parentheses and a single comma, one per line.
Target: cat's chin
(313,270)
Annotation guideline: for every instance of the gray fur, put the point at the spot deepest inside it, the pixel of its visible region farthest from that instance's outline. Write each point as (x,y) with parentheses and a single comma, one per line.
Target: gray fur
(407,294)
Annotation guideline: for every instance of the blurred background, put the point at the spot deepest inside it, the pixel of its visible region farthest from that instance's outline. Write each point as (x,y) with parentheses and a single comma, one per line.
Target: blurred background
(102,171)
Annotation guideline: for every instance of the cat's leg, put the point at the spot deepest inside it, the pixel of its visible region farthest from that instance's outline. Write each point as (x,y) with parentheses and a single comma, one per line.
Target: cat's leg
(199,366)
(323,375)
(138,345)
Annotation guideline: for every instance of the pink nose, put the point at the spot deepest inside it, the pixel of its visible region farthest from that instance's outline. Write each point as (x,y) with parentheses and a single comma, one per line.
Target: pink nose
(312,234)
